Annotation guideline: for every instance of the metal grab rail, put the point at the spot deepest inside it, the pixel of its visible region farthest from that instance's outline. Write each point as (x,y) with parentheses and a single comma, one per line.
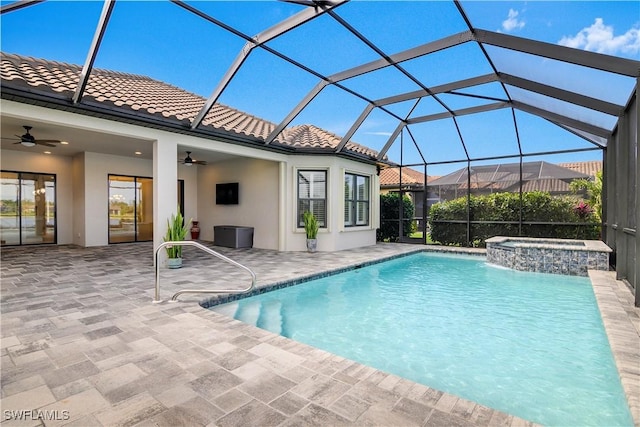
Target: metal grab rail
(200,291)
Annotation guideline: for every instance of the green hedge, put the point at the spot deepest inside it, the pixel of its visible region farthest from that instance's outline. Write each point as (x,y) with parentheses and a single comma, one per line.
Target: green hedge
(389,214)
(537,206)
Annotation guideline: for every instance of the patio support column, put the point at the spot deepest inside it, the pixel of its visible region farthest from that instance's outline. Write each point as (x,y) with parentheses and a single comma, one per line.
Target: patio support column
(165,187)
(633,132)
(282,206)
(622,152)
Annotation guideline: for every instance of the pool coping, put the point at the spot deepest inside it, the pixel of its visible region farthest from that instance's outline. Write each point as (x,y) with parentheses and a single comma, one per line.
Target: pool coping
(623,332)
(535,242)
(268,287)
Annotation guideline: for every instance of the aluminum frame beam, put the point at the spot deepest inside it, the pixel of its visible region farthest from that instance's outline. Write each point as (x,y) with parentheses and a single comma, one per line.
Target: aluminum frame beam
(563,95)
(458,113)
(391,140)
(440,116)
(261,38)
(392,60)
(354,127)
(460,84)
(444,88)
(416,52)
(18,5)
(107,9)
(599,61)
(292,115)
(561,120)
(584,135)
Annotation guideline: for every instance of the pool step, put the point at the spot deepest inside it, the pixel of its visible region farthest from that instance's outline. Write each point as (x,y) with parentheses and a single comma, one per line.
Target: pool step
(271,317)
(248,312)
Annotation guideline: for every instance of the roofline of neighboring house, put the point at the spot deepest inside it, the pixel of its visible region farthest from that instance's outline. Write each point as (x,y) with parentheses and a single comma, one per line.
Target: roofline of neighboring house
(100,110)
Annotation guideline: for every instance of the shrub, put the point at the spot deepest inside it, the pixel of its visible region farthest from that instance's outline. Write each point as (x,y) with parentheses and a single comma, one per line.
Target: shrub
(389,213)
(537,206)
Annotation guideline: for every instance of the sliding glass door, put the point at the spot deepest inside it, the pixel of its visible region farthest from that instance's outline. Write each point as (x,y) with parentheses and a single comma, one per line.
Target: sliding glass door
(27,208)
(130,209)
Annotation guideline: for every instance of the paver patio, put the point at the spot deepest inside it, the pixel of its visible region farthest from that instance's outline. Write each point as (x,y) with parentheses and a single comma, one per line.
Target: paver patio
(83,343)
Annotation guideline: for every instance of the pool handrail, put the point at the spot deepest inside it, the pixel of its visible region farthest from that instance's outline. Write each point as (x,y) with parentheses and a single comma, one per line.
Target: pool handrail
(199,291)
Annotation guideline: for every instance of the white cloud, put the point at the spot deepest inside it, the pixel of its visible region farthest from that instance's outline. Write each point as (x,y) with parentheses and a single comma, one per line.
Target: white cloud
(600,38)
(512,22)
(378,133)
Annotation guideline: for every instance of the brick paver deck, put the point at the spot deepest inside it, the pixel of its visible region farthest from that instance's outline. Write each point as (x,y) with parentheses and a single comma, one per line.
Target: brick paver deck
(83,343)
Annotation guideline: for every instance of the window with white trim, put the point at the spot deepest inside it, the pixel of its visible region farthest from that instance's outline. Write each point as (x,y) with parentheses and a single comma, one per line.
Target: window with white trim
(312,195)
(356,200)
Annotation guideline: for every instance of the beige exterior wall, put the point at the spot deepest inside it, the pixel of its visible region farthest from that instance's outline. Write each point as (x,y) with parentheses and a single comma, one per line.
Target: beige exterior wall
(335,236)
(258,199)
(96,183)
(267,180)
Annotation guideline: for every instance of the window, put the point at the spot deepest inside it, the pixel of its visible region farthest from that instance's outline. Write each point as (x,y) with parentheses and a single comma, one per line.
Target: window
(130,209)
(356,200)
(312,196)
(28,208)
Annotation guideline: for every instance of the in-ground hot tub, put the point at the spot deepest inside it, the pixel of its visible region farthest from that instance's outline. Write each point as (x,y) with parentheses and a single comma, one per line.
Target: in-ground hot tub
(558,256)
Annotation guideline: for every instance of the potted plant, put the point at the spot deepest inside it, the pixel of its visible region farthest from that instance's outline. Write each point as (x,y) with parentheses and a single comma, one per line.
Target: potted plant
(311,228)
(176,231)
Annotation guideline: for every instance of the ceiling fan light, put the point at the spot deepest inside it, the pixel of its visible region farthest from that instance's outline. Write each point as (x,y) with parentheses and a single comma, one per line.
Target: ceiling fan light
(188,161)
(27,143)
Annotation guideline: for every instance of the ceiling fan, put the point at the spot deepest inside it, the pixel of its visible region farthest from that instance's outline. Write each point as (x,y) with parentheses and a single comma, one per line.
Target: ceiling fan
(188,161)
(29,140)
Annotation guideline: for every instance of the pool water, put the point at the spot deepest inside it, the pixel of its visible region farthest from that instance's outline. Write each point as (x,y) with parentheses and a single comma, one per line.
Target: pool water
(529,344)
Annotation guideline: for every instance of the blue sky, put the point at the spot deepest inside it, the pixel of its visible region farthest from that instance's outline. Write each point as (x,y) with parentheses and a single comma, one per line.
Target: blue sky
(166,42)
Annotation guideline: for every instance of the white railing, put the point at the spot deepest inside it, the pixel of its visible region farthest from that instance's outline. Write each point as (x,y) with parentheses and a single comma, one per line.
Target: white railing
(200,291)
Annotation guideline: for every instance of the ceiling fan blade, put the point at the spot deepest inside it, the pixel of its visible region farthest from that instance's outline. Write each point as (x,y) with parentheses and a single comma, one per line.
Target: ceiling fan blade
(48,141)
(46,144)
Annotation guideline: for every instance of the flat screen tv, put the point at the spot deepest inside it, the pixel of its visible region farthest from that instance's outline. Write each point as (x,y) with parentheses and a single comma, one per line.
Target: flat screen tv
(227,194)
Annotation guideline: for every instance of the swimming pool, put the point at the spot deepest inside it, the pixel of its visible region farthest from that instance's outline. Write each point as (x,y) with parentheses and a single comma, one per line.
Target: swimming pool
(529,344)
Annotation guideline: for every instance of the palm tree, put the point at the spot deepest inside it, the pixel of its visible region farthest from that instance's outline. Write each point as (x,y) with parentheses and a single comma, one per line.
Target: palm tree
(594,192)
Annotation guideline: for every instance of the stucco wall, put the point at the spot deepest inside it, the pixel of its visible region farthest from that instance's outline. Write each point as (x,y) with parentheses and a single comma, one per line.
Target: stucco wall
(268,187)
(335,236)
(60,166)
(96,197)
(258,199)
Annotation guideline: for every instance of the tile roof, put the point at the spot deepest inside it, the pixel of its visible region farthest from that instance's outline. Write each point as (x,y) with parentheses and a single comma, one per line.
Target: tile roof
(552,178)
(145,96)
(390,177)
(588,168)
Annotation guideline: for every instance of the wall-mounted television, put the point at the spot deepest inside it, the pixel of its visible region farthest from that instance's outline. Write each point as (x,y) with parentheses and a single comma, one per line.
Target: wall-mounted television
(227,194)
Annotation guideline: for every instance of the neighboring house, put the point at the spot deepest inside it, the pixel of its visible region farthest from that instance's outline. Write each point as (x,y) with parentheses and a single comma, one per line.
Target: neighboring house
(536,176)
(412,186)
(590,168)
(128,137)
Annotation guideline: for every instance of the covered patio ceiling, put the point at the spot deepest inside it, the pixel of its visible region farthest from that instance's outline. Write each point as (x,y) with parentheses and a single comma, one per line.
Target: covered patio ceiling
(457,93)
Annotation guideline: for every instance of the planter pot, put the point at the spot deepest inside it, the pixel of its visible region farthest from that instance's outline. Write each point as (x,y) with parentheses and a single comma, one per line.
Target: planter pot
(174,262)
(195,230)
(312,245)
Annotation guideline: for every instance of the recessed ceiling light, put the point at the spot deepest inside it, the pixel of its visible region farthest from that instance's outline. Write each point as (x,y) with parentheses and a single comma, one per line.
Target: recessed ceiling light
(64,143)
(47,152)
(138,153)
